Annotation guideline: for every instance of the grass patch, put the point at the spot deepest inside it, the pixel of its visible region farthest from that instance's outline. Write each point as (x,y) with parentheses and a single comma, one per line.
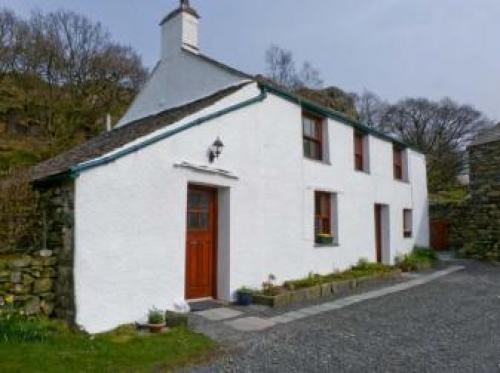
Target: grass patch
(419,259)
(64,350)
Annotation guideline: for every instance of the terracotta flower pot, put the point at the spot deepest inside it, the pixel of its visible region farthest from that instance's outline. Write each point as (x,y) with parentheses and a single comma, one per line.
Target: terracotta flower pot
(156,328)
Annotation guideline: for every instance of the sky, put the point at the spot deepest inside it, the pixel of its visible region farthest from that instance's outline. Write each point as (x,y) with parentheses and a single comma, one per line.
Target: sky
(395,48)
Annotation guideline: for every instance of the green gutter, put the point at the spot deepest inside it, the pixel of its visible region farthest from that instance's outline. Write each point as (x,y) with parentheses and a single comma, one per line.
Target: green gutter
(76,170)
(326,112)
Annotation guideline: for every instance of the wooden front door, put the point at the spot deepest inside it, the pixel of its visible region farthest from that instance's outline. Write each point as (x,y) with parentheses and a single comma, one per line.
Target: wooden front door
(440,235)
(201,243)
(378,232)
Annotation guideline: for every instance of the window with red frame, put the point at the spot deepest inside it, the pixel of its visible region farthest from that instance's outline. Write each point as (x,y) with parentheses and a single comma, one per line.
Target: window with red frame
(407,223)
(323,214)
(312,129)
(359,160)
(398,163)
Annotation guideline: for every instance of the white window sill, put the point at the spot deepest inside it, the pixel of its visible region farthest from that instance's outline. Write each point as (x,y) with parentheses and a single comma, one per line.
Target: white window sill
(324,246)
(325,163)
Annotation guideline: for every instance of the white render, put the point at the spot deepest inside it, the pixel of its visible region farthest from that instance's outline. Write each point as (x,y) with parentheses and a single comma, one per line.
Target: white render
(181,75)
(131,213)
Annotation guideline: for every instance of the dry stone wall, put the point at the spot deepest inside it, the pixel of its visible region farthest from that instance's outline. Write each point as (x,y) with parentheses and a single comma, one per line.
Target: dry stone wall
(29,281)
(482,235)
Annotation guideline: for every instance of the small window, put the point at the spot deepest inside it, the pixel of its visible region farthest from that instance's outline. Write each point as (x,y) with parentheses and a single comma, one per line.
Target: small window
(312,128)
(359,152)
(398,163)
(325,218)
(407,223)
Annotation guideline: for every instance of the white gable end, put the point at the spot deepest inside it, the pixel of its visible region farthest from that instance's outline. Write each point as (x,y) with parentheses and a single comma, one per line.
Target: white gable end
(183,75)
(178,80)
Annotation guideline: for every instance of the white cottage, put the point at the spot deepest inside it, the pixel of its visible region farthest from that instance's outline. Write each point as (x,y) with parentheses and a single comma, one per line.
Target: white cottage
(214,179)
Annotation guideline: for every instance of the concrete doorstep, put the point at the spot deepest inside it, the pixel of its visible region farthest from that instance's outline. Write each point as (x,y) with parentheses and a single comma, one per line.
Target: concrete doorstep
(249,324)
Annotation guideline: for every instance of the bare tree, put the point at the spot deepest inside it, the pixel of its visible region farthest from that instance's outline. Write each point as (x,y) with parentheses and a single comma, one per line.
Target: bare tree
(281,68)
(441,129)
(371,109)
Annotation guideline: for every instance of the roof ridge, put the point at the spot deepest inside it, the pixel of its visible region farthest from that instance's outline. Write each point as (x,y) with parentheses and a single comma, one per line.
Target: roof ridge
(120,136)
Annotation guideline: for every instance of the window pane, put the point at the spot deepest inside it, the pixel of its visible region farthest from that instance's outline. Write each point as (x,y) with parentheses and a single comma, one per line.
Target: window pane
(309,127)
(307,148)
(193,200)
(203,220)
(193,220)
(359,162)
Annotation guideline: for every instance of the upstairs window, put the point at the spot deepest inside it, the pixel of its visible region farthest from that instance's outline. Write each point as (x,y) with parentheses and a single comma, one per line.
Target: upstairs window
(359,151)
(312,129)
(407,223)
(398,163)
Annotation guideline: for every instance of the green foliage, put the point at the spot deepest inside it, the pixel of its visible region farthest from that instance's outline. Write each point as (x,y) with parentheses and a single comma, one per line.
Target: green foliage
(333,98)
(419,259)
(60,74)
(362,269)
(311,280)
(18,328)
(66,350)
(246,290)
(456,194)
(156,316)
(269,286)
(19,215)
(482,250)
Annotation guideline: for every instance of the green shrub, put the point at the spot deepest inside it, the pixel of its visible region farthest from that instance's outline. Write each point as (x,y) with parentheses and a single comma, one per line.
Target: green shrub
(311,280)
(419,259)
(17,328)
(156,316)
(365,266)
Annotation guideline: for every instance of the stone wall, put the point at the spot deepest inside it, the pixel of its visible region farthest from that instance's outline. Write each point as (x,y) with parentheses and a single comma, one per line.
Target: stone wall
(41,281)
(482,236)
(455,213)
(57,203)
(29,279)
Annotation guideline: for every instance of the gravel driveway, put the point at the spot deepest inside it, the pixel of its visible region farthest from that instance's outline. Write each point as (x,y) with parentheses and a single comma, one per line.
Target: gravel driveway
(449,325)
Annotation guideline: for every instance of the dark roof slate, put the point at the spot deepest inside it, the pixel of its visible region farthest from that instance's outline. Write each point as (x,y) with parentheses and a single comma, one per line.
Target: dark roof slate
(487,136)
(121,136)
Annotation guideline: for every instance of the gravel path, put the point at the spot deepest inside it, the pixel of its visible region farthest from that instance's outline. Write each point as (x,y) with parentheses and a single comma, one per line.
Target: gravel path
(452,324)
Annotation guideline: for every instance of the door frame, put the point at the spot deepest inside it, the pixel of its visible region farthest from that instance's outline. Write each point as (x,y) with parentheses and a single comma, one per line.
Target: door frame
(378,233)
(215,230)
(383,228)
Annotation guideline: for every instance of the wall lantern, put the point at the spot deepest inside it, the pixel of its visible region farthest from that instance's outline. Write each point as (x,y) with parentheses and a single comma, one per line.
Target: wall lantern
(215,150)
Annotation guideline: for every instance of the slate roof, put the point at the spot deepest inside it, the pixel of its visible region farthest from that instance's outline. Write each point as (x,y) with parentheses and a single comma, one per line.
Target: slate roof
(487,136)
(123,135)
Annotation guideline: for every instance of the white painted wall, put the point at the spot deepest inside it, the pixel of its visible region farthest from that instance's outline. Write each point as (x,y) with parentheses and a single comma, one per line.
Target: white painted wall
(181,76)
(130,214)
(176,81)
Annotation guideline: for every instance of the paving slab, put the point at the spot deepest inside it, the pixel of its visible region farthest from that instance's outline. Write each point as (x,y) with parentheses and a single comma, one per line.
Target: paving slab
(250,324)
(219,314)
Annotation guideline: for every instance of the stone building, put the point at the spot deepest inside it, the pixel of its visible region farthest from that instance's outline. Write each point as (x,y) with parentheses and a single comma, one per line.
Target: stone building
(482,237)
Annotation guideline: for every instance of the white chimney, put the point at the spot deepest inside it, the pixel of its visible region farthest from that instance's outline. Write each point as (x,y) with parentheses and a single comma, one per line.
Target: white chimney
(179,29)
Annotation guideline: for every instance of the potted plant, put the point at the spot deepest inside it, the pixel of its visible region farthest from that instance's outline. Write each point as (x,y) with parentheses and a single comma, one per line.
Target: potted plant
(324,239)
(156,320)
(244,296)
